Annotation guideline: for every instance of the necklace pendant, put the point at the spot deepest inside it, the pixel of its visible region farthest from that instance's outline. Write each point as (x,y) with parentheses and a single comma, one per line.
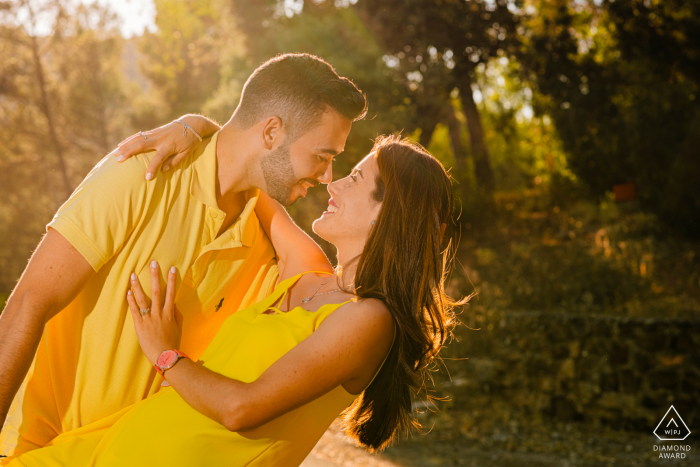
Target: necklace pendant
(306,299)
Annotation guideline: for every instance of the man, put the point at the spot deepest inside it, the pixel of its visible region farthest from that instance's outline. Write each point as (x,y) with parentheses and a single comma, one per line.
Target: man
(68,349)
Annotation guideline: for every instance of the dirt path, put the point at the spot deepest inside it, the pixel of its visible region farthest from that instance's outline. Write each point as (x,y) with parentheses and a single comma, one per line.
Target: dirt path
(565,446)
(335,449)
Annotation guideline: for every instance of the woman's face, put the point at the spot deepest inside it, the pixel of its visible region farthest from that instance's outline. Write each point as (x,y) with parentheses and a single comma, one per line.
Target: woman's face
(351,208)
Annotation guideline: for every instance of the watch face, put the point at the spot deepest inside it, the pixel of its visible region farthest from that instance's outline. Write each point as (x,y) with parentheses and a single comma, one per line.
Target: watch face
(166,358)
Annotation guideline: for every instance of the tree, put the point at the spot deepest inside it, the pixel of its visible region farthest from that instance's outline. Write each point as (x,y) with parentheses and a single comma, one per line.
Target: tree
(454,36)
(63,107)
(183,59)
(620,81)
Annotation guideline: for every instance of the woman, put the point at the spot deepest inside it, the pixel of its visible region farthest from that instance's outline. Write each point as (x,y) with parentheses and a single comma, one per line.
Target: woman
(357,338)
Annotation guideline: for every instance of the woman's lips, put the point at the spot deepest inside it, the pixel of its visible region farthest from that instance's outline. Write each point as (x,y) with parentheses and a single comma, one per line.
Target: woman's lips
(332,207)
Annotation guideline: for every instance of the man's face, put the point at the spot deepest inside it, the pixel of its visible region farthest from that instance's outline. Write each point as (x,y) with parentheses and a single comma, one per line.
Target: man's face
(291,169)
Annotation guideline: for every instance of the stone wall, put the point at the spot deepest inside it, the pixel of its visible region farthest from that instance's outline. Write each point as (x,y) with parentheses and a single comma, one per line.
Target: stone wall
(620,372)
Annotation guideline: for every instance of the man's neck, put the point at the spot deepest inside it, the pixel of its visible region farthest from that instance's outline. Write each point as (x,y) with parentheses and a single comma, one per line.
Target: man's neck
(237,168)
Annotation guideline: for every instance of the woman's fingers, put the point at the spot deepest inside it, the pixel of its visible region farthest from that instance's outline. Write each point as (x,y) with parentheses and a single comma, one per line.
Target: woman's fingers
(130,140)
(174,160)
(155,287)
(139,296)
(133,306)
(133,147)
(165,151)
(162,154)
(169,306)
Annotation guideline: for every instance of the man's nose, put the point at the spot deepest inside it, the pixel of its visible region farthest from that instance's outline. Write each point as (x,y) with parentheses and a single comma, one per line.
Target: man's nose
(327,176)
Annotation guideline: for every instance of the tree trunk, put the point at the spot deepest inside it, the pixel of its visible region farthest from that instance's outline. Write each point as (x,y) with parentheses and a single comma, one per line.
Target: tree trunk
(460,155)
(45,108)
(426,133)
(480,152)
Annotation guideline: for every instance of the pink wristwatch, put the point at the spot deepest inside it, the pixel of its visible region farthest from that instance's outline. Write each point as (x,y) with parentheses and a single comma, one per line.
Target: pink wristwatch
(167,360)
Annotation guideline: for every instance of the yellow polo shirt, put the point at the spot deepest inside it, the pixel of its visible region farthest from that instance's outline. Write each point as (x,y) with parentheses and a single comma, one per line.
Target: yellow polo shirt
(89,363)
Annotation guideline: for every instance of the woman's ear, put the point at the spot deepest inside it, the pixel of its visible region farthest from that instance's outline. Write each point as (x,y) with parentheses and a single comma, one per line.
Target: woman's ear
(272,132)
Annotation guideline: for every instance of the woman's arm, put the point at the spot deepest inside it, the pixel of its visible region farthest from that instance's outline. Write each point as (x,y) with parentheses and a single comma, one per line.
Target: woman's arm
(347,348)
(296,251)
(171,141)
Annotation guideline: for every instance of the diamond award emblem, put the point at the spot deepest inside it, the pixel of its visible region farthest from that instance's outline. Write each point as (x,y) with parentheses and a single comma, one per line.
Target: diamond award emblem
(672,427)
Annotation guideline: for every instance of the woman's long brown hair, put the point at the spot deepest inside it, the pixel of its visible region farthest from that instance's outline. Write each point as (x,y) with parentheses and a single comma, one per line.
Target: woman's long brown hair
(404,264)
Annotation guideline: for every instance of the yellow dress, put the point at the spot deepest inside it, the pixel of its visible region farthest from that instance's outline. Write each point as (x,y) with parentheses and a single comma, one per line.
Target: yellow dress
(164,430)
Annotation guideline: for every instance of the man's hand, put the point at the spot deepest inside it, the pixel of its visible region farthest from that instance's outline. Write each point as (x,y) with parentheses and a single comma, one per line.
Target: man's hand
(169,142)
(54,276)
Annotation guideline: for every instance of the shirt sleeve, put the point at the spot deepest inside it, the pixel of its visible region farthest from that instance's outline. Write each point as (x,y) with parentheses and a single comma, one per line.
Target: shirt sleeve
(104,209)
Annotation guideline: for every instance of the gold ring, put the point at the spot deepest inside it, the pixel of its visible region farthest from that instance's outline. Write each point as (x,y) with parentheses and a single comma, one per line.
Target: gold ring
(144,311)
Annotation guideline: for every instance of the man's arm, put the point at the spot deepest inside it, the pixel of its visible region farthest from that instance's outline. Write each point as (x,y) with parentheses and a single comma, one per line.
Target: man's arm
(54,276)
(296,251)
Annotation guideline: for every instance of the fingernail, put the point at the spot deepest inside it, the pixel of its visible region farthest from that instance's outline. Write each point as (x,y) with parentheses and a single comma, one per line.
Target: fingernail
(120,158)
(128,292)
(133,276)
(173,270)
(154,264)
(166,168)
(149,176)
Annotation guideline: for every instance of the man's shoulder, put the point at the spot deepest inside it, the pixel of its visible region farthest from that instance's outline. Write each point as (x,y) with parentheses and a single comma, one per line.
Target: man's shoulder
(110,169)
(131,173)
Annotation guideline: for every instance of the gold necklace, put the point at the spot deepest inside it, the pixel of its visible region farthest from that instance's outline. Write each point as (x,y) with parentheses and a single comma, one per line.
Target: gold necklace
(316,293)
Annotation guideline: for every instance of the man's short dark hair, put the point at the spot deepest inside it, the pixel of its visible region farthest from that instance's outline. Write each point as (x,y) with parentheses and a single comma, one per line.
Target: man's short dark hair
(297,88)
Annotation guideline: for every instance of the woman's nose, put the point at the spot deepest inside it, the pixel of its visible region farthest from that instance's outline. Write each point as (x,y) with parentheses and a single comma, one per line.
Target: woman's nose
(333,188)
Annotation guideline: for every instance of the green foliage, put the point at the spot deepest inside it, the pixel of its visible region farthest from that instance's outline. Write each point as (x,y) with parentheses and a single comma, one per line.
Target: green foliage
(563,100)
(64,106)
(182,59)
(620,82)
(579,257)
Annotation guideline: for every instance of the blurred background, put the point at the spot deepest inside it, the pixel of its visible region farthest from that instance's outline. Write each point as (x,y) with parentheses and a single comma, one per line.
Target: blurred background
(572,130)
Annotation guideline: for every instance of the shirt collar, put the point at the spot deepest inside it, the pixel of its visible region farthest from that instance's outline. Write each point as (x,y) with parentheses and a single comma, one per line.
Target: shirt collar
(203,185)
(247,225)
(203,189)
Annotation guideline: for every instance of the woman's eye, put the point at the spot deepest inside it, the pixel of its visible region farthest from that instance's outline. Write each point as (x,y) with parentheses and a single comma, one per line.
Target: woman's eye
(354,178)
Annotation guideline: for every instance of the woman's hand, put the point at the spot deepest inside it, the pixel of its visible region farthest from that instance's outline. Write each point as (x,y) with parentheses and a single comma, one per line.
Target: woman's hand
(171,142)
(161,328)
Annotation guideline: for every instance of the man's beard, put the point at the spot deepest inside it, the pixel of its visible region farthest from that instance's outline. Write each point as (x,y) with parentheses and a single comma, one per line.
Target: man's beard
(279,174)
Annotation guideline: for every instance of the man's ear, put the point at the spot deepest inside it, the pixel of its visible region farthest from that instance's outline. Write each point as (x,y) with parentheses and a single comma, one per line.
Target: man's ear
(272,132)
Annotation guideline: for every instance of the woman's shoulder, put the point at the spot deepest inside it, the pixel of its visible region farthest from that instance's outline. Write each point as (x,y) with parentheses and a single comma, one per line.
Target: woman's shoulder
(369,327)
(371,305)
(368,312)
